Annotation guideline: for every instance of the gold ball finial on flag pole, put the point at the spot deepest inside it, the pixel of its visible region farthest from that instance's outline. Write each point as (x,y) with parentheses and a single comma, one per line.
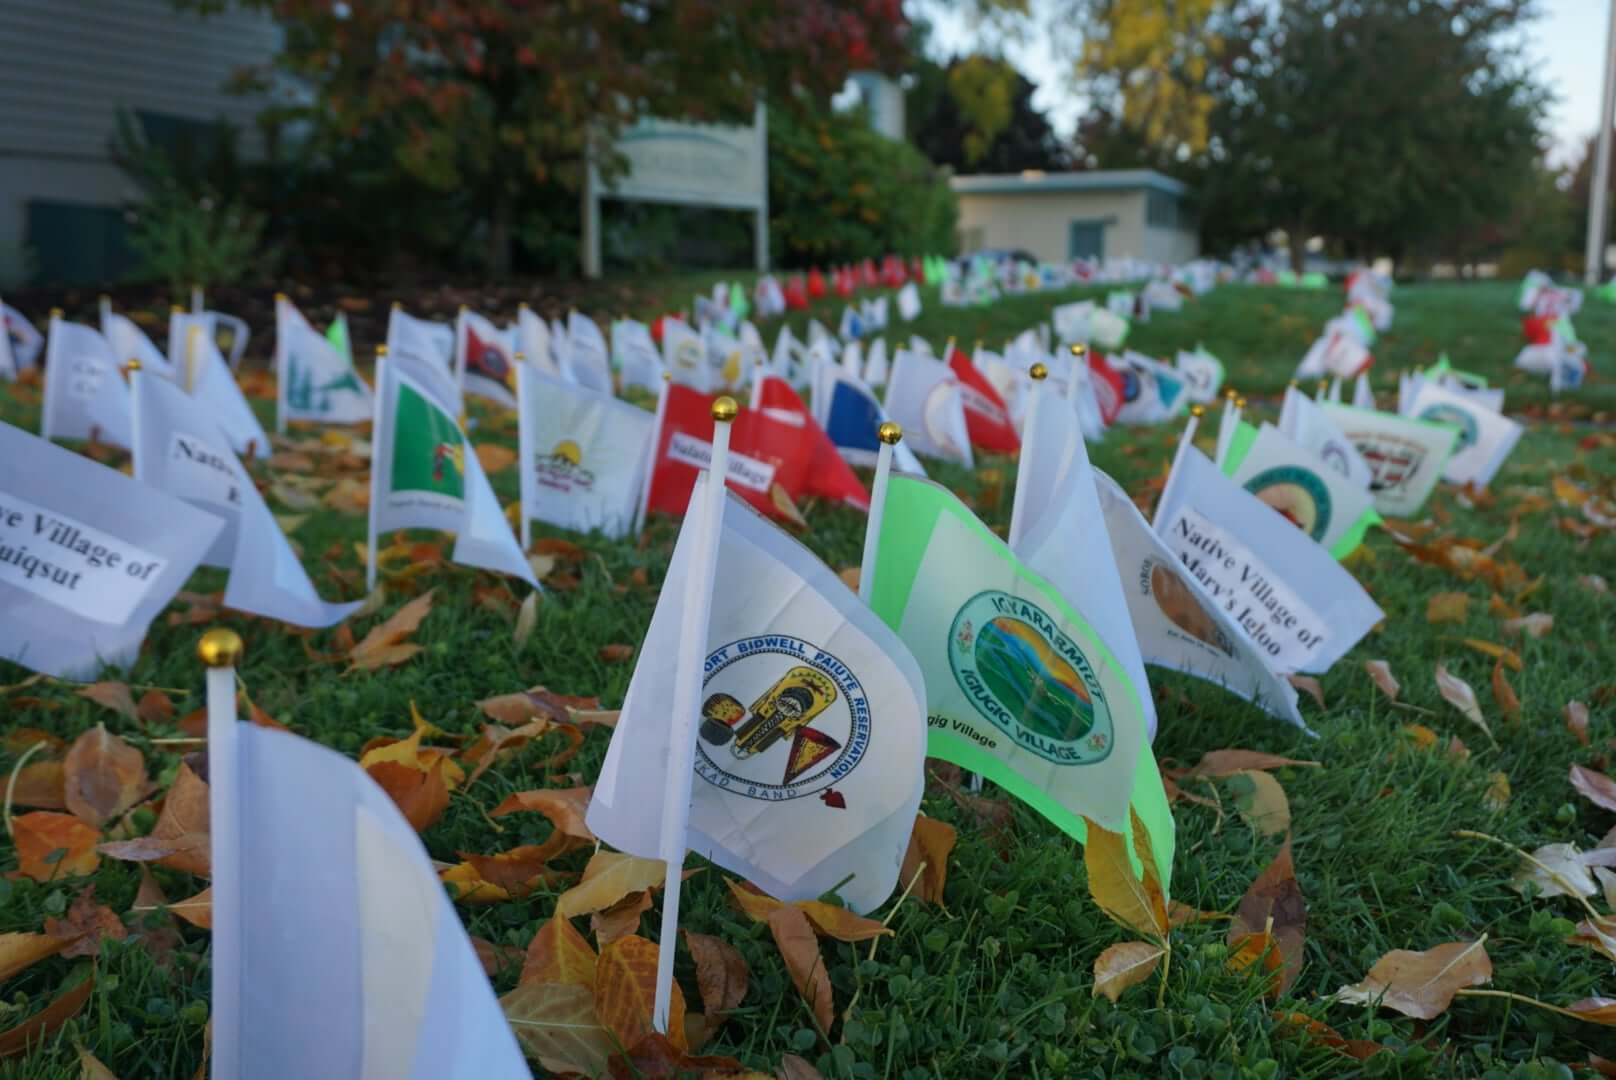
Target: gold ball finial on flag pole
(725,409)
(1197,411)
(1229,393)
(57,313)
(220,648)
(133,364)
(889,432)
(175,309)
(282,296)
(1079,349)
(398,305)
(1240,403)
(381,350)
(1039,371)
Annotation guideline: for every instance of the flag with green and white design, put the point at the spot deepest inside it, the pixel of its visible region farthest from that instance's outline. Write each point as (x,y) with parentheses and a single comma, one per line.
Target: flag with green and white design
(429,453)
(1302,486)
(1019,688)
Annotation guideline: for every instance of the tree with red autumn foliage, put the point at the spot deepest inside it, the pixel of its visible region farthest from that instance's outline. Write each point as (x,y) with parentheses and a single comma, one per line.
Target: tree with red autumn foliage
(490,96)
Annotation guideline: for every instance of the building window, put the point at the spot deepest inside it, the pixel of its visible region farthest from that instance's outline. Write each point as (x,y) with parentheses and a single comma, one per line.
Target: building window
(1161,209)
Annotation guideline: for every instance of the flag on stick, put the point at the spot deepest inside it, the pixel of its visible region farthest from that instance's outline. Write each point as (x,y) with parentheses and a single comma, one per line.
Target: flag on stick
(85,392)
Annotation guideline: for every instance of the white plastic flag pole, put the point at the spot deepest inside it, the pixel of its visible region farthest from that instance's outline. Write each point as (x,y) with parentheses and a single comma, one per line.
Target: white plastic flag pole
(281,301)
(378,453)
(197,307)
(524,447)
(1080,359)
(220,650)
(106,311)
(687,683)
(1184,443)
(651,453)
(888,433)
(1227,423)
(191,358)
(1319,390)
(1018,504)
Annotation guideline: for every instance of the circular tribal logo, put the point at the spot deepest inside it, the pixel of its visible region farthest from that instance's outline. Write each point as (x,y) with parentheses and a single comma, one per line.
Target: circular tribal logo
(1023,673)
(1459,418)
(780,719)
(1298,494)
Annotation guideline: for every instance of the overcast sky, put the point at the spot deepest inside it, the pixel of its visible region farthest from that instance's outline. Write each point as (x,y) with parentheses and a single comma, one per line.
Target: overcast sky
(1567,43)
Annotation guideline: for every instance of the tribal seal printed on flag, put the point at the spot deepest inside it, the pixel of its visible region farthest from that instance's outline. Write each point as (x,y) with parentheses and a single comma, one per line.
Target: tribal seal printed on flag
(485,357)
(583,454)
(86,395)
(1486,437)
(1301,487)
(1406,456)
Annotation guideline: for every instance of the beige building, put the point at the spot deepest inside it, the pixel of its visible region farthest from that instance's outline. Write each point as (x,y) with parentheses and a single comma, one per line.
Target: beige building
(1119,214)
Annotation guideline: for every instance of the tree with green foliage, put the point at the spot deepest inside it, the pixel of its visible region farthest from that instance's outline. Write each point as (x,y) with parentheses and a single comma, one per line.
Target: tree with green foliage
(488,98)
(975,114)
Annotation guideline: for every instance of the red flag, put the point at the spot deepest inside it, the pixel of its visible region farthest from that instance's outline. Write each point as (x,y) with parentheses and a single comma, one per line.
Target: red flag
(987,420)
(892,272)
(764,453)
(828,475)
(1109,387)
(868,277)
(487,359)
(816,284)
(917,269)
(796,291)
(1537,329)
(844,282)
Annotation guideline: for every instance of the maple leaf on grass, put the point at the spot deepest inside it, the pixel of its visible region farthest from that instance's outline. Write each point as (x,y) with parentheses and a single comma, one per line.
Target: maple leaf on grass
(1325,1035)
(565,807)
(18,952)
(1422,984)
(558,953)
(1272,913)
(608,878)
(85,925)
(826,919)
(1576,720)
(625,991)
(1381,672)
(1123,965)
(1261,801)
(1219,763)
(114,696)
(385,645)
(621,919)
(557,1027)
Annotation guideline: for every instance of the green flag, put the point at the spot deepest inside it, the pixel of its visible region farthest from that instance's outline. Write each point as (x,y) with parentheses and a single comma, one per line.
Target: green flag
(1444,366)
(738,302)
(429,453)
(1019,687)
(337,335)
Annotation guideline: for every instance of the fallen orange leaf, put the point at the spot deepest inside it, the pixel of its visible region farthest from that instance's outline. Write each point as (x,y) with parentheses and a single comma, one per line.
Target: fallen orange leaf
(625,991)
(52,846)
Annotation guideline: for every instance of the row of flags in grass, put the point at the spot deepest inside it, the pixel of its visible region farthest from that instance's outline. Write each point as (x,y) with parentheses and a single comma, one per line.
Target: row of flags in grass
(1342,349)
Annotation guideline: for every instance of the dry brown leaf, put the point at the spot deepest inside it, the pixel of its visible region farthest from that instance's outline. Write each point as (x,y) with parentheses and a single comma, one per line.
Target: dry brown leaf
(840,923)
(794,936)
(625,991)
(558,953)
(1273,907)
(1498,791)
(556,1025)
(85,925)
(1381,672)
(565,807)
(1261,801)
(930,842)
(1309,686)
(1447,607)
(1456,692)
(1325,1035)
(1595,1010)
(1562,870)
(41,784)
(154,707)
(1422,984)
(385,645)
(793,1067)
(182,825)
(621,919)
(196,910)
(51,846)
(1182,914)
(1137,903)
(1535,625)
(538,702)
(42,1025)
(114,696)
(1219,763)
(1576,720)
(91,1068)
(495,458)
(608,878)
(1593,583)
(526,619)
(1123,965)
(507,875)
(850,577)
(721,972)
(421,794)
(103,776)
(1596,787)
(1504,694)
(616,654)
(18,952)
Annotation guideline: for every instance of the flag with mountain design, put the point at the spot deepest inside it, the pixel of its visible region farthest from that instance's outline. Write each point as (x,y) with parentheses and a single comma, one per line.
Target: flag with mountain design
(316,381)
(1019,687)
(1298,484)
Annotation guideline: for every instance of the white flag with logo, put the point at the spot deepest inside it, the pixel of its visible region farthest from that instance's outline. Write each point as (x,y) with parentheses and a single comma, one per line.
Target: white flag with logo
(1176,622)
(85,392)
(207,377)
(1405,456)
(426,338)
(1202,373)
(20,343)
(335,950)
(533,342)
(485,357)
(1485,437)
(129,342)
(1052,531)
(812,738)
(1305,423)
(425,474)
(88,557)
(635,355)
(1301,487)
(685,356)
(180,449)
(316,381)
(923,395)
(583,455)
(1300,608)
(587,353)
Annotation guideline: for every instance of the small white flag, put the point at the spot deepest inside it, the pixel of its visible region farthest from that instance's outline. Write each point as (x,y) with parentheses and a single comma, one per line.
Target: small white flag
(20,343)
(875,363)
(1306,423)
(924,396)
(1405,456)
(88,557)
(1302,487)
(533,342)
(1300,608)
(684,354)
(425,474)
(425,338)
(812,737)
(129,342)
(1202,373)
(587,353)
(206,376)
(180,449)
(316,381)
(85,392)
(634,353)
(1485,437)
(583,455)
(485,357)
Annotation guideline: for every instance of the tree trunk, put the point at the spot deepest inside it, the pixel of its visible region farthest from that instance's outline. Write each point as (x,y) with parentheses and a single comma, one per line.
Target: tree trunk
(499,233)
(1298,245)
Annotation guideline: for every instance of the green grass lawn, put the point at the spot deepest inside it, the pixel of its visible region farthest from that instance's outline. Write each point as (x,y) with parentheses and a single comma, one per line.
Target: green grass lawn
(998,982)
